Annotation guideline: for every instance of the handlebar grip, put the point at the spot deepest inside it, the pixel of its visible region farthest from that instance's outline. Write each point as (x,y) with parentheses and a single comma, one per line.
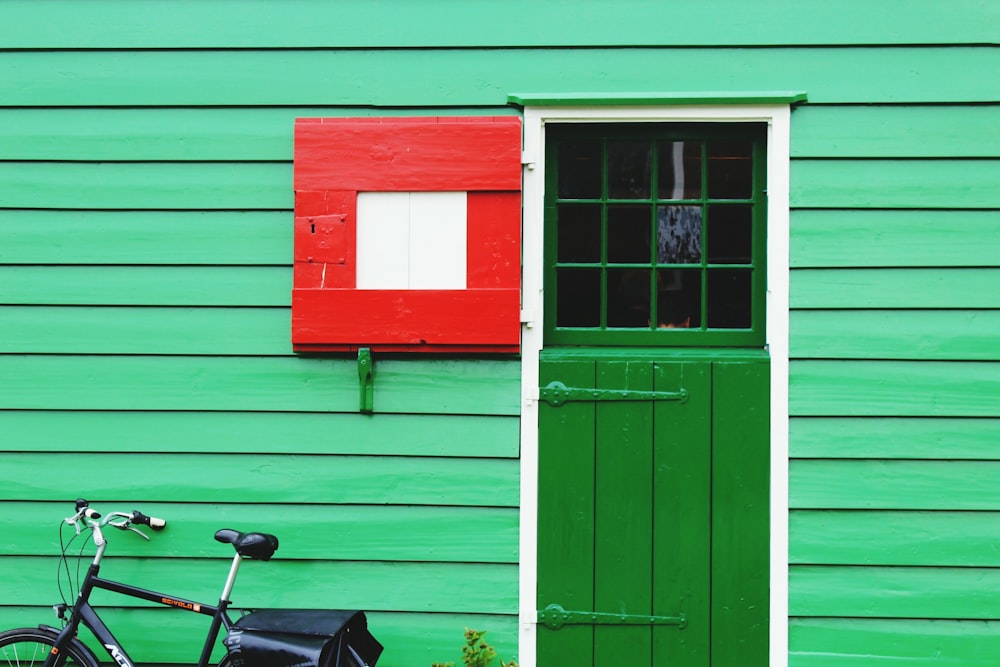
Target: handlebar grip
(83,509)
(151,521)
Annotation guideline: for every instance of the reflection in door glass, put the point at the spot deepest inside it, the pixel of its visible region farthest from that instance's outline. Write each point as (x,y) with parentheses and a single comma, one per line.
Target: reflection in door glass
(678,234)
(680,170)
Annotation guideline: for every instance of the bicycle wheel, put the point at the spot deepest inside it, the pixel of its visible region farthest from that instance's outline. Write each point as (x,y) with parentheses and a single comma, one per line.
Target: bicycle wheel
(29,647)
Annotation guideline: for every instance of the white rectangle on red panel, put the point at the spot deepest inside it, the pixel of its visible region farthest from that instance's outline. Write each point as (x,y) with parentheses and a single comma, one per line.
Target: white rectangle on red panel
(438,238)
(411,240)
(383,240)
(423,253)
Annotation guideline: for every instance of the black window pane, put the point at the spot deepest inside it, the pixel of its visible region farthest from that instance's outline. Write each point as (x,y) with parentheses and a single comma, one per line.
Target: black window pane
(730,170)
(678,299)
(680,170)
(729,299)
(629,172)
(580,170)
(730,234)
(578,302)
(678,234)
(579,233)
(629,234)
(628,298)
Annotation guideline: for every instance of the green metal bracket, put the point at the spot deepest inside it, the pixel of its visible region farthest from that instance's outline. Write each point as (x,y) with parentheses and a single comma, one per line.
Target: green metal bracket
(366,378)
(555,617)
(556,394)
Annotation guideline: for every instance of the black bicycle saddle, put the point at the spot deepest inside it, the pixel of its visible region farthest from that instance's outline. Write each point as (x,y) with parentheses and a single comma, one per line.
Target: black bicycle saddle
(257,546)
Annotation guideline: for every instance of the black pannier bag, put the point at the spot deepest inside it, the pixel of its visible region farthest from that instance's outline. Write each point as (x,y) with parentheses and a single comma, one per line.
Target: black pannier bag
(302,638)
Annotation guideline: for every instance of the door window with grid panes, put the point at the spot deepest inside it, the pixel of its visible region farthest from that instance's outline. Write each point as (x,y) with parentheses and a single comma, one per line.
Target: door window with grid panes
(655,234)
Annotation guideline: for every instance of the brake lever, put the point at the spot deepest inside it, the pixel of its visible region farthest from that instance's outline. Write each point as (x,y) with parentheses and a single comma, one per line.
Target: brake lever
(126,524)
(136,530)
(75,522)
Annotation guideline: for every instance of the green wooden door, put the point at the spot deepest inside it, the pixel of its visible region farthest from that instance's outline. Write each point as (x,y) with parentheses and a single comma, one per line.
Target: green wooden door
(653,510)
(653,427)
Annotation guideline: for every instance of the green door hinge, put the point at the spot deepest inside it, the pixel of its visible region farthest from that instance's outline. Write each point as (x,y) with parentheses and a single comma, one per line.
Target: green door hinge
(556,394)
(555,617)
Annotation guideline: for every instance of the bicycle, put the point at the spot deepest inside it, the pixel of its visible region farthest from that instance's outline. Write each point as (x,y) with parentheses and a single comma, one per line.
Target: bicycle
(261,638)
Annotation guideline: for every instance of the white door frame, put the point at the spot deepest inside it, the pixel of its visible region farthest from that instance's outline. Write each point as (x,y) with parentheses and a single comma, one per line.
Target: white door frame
(778,118)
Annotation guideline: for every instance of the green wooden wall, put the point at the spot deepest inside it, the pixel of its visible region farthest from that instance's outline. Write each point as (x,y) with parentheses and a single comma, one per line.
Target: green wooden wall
(145,251)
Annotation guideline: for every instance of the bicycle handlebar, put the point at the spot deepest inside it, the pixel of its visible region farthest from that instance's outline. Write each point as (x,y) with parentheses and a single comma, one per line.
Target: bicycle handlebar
(124,522)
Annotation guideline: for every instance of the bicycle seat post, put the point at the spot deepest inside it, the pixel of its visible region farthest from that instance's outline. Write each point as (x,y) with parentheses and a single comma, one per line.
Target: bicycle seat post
(231,579)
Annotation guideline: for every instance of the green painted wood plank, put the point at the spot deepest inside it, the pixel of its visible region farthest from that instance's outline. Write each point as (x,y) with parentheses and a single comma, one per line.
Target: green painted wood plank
(623,513)
(146,237)
(256,478)
(384,586)
(896,334)
(682,513)
(895,288)
(155,636)
(894,485)
(837,642)
(893,592)
(265,432)
(955,539)
(186,24)
(740,513)
(894,388)
(895,131)
(895,438)
(315,532)
(882,238)
(907,184)
(484,77)
(566,508)
(225,134)
(124,330)
(439,386)
(147,285)
(146,185)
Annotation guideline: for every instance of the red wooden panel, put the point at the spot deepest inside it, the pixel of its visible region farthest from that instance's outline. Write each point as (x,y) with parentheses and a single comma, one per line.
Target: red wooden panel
(321,238)
(325,239)
(494,239)
(404,319)
(335,159)
(408,154)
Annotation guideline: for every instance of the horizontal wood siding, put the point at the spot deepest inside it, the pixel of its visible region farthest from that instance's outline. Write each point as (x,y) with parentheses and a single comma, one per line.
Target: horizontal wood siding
(145,280)
(894,382)
(359,23)
(145,277)
(485,77)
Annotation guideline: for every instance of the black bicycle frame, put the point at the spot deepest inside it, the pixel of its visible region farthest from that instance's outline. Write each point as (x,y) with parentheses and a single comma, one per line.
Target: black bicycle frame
(84,613)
